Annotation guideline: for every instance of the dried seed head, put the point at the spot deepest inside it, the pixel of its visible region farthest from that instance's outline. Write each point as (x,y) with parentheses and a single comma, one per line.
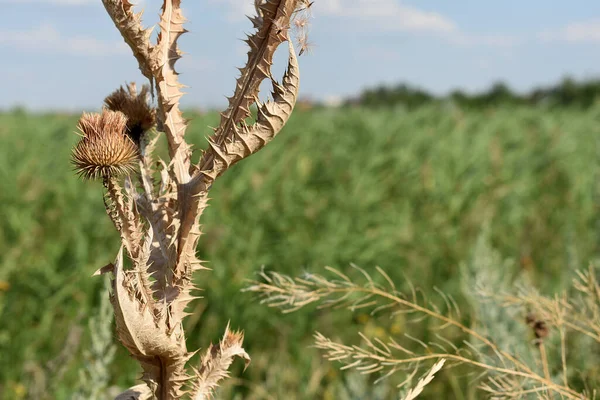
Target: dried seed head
(140,115)
(301,23)
(539,327)
(301,20)
(104,149)
(541,330)
(304,44)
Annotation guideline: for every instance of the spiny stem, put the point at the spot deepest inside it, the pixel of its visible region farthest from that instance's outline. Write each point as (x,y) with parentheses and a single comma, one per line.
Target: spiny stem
(544,358)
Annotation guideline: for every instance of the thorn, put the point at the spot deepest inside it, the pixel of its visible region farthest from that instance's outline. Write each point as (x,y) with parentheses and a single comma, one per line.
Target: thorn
(110,267)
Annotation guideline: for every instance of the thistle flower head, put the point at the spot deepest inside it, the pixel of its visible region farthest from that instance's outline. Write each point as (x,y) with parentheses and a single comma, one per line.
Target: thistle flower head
(104,149)
(140,115)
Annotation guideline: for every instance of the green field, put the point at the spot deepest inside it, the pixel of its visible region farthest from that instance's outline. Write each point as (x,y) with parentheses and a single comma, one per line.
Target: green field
(406,191)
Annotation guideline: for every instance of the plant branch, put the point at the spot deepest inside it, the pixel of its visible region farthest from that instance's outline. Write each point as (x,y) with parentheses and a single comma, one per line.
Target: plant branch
(165,54)
(291,294)
(129,25)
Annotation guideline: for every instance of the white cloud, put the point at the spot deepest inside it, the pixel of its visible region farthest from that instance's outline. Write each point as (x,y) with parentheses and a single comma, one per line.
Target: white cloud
(388,15)
(392,15)
(464,39)
(236,9)
(576,32)
(47,38)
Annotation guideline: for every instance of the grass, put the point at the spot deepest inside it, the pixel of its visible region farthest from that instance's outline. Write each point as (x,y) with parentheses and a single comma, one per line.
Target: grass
(409,192)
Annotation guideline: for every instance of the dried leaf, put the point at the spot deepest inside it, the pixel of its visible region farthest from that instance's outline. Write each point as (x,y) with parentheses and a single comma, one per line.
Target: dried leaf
(143,332)
(215,364)
(275,16)
(138,392)
(165,54)
(272,116)
(110,267)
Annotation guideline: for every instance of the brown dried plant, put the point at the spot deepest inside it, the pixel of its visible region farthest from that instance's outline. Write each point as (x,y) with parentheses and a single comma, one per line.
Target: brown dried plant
(156,205)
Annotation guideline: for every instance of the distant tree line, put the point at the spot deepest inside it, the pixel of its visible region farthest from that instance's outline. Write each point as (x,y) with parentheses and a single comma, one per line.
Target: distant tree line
(567,93)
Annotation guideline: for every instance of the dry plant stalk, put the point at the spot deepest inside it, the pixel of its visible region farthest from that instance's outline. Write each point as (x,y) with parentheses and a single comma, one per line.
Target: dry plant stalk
(159,222)
(413,393)
(509,376)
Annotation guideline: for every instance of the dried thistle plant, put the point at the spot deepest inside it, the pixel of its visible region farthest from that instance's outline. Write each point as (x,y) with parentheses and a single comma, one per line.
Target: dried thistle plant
(509,376)
(159,221)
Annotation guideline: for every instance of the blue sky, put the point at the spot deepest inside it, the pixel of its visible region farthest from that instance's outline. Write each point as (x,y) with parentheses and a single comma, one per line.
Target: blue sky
(66,54)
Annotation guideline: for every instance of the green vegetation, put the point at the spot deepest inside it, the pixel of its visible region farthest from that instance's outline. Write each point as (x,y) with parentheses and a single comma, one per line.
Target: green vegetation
(409,192)
(568,93)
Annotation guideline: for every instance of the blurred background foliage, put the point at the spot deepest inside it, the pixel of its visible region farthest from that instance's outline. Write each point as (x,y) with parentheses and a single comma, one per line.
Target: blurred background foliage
(567,93)
(396,181)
